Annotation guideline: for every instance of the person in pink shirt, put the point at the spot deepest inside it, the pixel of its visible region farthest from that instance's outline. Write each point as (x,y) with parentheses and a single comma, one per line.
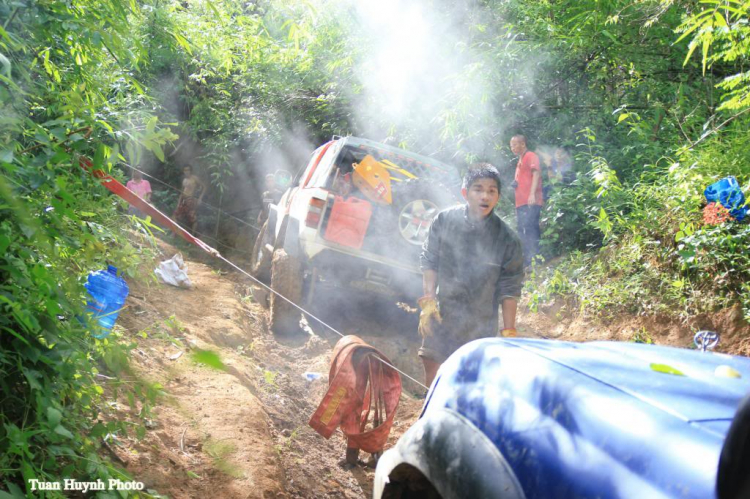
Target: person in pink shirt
(529,198)
(142,188)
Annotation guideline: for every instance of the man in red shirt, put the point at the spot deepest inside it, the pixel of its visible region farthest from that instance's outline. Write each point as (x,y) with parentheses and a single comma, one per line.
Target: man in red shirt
(528,197)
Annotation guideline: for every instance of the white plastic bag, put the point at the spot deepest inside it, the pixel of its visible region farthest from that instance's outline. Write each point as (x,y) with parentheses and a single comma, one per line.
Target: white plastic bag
(174,272)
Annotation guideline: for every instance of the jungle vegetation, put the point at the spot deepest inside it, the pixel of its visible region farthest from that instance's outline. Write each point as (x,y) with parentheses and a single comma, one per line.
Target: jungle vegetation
(650,97)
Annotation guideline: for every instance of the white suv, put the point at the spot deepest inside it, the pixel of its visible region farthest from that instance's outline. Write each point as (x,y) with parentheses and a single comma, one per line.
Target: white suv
(329,227)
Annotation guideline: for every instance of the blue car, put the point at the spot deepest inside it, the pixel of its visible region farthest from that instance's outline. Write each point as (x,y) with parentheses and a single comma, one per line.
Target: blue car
(526,418)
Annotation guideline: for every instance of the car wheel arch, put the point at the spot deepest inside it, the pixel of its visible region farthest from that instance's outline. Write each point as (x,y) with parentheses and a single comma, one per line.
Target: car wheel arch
(448,451)
(732,481)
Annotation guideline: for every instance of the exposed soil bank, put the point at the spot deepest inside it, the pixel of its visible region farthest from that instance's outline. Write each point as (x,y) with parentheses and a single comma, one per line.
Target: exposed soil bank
(555,322)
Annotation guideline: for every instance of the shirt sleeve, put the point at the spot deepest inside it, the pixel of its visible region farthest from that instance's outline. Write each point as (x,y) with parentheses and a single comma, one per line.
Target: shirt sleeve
(146,187)
(429,259)
(511,277)
(533,161)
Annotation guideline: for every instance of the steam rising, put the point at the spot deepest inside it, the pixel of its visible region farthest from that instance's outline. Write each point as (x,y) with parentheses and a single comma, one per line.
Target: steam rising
(291,157)
(433,77)
(395,74)
(426,77)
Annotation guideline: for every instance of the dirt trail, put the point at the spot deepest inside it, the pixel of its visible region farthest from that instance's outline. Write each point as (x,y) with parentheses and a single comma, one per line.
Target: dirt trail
(242,432)
(211,426)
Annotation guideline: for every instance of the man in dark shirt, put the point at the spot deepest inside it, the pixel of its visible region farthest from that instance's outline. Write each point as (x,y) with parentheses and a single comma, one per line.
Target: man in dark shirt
(471,262)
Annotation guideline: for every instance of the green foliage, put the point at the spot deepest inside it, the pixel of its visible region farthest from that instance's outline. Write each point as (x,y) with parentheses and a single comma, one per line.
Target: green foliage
(112,80)
(221,453)
(656,254)
(209,358)
(590,211)
(553,283)
(666,369)
(567,217)
(234,76)
(51,238)
(719,252)
(67,92)
(642,204)
(270,379)
(721,31)
(642,336)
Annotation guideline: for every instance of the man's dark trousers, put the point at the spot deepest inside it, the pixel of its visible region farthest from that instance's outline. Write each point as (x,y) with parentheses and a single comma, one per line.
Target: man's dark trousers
(528,230)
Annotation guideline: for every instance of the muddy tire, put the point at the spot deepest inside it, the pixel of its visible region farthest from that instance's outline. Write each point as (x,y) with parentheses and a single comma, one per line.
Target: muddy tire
(286,279)
(260,262)
(415,204)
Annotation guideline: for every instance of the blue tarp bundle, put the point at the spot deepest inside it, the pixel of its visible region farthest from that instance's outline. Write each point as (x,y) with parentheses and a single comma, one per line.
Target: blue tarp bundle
(727,192)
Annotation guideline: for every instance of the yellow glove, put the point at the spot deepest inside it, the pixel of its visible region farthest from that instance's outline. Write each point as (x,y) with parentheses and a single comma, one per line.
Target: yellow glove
(428,316)
(508,333)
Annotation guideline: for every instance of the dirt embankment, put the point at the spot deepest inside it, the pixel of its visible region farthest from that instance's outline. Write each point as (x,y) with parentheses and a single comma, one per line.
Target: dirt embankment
(560,323)
(242,432)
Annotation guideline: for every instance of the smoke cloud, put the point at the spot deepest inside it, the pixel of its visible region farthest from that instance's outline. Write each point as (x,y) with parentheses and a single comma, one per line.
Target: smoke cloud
(433,77)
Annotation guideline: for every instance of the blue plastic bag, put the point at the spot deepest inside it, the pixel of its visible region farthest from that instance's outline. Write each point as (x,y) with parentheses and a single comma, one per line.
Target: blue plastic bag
(727,192)
(107,294)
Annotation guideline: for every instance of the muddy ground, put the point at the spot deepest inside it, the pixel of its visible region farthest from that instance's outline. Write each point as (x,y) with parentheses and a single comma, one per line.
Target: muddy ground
(242,432)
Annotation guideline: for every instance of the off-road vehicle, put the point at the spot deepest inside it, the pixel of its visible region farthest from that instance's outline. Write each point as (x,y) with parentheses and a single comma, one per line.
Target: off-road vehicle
(355,217)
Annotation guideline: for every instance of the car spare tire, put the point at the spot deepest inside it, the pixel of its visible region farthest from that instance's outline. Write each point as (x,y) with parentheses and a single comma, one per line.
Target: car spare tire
(415,203)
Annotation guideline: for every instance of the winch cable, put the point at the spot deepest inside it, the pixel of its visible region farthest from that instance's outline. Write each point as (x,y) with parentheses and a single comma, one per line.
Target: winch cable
(219,243)
(117,188)
(309,314)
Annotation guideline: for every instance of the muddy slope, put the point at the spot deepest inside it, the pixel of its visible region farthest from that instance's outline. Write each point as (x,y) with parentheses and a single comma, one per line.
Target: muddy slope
(242,431)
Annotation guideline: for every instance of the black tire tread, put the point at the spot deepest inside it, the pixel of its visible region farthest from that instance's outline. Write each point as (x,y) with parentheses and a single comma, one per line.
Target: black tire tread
(286,279)
(419,188)
(260,262)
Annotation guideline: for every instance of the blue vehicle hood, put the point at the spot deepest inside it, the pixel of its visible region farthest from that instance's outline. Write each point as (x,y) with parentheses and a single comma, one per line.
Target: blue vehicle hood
(698,396)
(595,419)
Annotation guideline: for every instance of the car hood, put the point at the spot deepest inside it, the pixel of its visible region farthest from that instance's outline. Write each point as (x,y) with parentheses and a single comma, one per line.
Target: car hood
(642,371)
(608,413)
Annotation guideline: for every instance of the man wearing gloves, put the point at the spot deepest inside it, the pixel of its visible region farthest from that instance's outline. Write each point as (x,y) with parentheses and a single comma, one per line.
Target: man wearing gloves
(472,263)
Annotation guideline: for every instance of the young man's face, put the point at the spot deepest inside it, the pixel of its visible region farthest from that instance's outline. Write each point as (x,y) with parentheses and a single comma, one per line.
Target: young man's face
(481,196)
(187,171)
